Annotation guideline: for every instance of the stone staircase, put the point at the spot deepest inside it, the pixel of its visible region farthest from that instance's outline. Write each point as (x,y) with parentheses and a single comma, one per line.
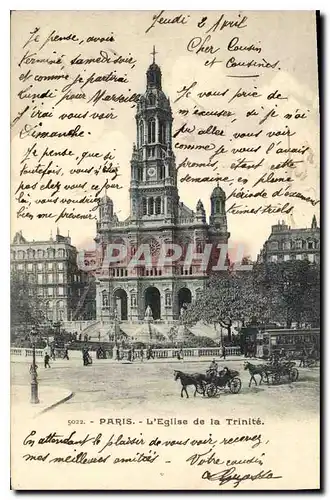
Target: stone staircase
(203,330)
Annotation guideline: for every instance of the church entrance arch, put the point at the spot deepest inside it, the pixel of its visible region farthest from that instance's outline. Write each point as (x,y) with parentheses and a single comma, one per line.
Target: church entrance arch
(184,297)
(152,299)
(120,297)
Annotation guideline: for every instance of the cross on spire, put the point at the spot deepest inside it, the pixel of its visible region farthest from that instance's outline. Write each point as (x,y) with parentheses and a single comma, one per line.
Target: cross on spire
(153,53)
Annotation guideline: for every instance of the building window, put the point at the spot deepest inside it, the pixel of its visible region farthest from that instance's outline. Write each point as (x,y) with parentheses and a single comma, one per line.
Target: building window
(144,206)
(30,267)
(158,205)
(287,245)
(50,291)
(151,100)
(60,277)
(50,266)
(31,253)
(161,133)
(20,267)
(40,292)
(50,278)
(286,257)
(40,254)
(40,266)
(151,206)
(51,253)
(311,257)
(141,133)
(39,279)
(310,245)
(60,290)
(151,131)
(140,173)
(298,244)
(274,258)
(298,256)
(60,266)
(273,245)
(60,253)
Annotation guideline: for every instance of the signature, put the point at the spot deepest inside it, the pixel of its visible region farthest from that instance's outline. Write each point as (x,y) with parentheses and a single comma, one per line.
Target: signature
(230,475)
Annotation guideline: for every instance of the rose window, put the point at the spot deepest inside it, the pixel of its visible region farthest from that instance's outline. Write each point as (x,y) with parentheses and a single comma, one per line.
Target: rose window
(154,247)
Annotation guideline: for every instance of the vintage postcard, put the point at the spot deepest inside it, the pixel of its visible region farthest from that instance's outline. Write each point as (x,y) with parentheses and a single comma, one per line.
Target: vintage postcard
(165,250)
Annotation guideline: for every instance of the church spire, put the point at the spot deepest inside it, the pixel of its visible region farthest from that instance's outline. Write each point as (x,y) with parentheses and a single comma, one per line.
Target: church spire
(314,222)
(153,53)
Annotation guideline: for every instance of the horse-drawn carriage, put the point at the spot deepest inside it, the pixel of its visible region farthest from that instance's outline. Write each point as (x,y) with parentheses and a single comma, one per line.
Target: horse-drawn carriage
(210,383)
(225,379)
(272,372)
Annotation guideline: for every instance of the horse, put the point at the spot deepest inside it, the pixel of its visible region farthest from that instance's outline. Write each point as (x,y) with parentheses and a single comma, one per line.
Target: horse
(187,379)
(256,370)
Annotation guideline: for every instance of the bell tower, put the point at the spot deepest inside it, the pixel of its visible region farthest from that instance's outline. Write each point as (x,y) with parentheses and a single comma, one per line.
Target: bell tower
(153,190)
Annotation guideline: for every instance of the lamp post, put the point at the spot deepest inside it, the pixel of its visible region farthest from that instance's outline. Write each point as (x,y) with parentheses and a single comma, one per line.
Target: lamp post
(33,369)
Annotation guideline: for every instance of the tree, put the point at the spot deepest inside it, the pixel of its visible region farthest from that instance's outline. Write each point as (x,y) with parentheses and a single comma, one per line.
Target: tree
(27,309)
(229,296)
(295,290)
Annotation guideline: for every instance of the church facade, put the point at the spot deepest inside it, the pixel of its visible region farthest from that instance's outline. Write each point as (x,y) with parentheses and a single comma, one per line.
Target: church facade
(157,216)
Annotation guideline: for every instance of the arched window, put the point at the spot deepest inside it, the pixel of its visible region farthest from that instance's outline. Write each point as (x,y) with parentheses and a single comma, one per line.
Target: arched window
(273,245)
(51,253)
(40,254)
(161,133)
(140,173)
(158,205)
(162,172)
(151,206)
(141,133)
(144,206)
(30,253)
(151,131)
(152,100)
(217,206)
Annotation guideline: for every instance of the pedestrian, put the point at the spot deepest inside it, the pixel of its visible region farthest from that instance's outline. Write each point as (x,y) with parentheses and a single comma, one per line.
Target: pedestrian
(141,354)
(52,353)
(66,354)
(223,351)
(181,354)
(46,360)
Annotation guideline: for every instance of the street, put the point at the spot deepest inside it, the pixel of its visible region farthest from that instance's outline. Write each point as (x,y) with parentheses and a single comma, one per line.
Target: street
(150,386)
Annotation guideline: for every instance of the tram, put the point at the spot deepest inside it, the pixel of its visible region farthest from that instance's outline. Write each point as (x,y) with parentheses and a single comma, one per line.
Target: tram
(293,341)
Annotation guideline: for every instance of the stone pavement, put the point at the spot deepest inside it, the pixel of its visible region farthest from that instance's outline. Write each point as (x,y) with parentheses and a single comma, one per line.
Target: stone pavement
(77,361)
(49,397)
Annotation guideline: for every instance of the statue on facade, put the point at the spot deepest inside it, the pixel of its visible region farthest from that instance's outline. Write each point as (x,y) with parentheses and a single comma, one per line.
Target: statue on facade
(148,314)
(183,314)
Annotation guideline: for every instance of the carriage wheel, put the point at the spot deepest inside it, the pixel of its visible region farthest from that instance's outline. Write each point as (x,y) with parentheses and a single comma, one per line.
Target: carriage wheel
(200,388)
(276,378)
(293,375)
(211,390)
(235,385)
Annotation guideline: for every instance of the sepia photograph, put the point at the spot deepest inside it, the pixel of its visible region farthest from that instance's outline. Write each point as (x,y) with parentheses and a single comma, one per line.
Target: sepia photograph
(165,250)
